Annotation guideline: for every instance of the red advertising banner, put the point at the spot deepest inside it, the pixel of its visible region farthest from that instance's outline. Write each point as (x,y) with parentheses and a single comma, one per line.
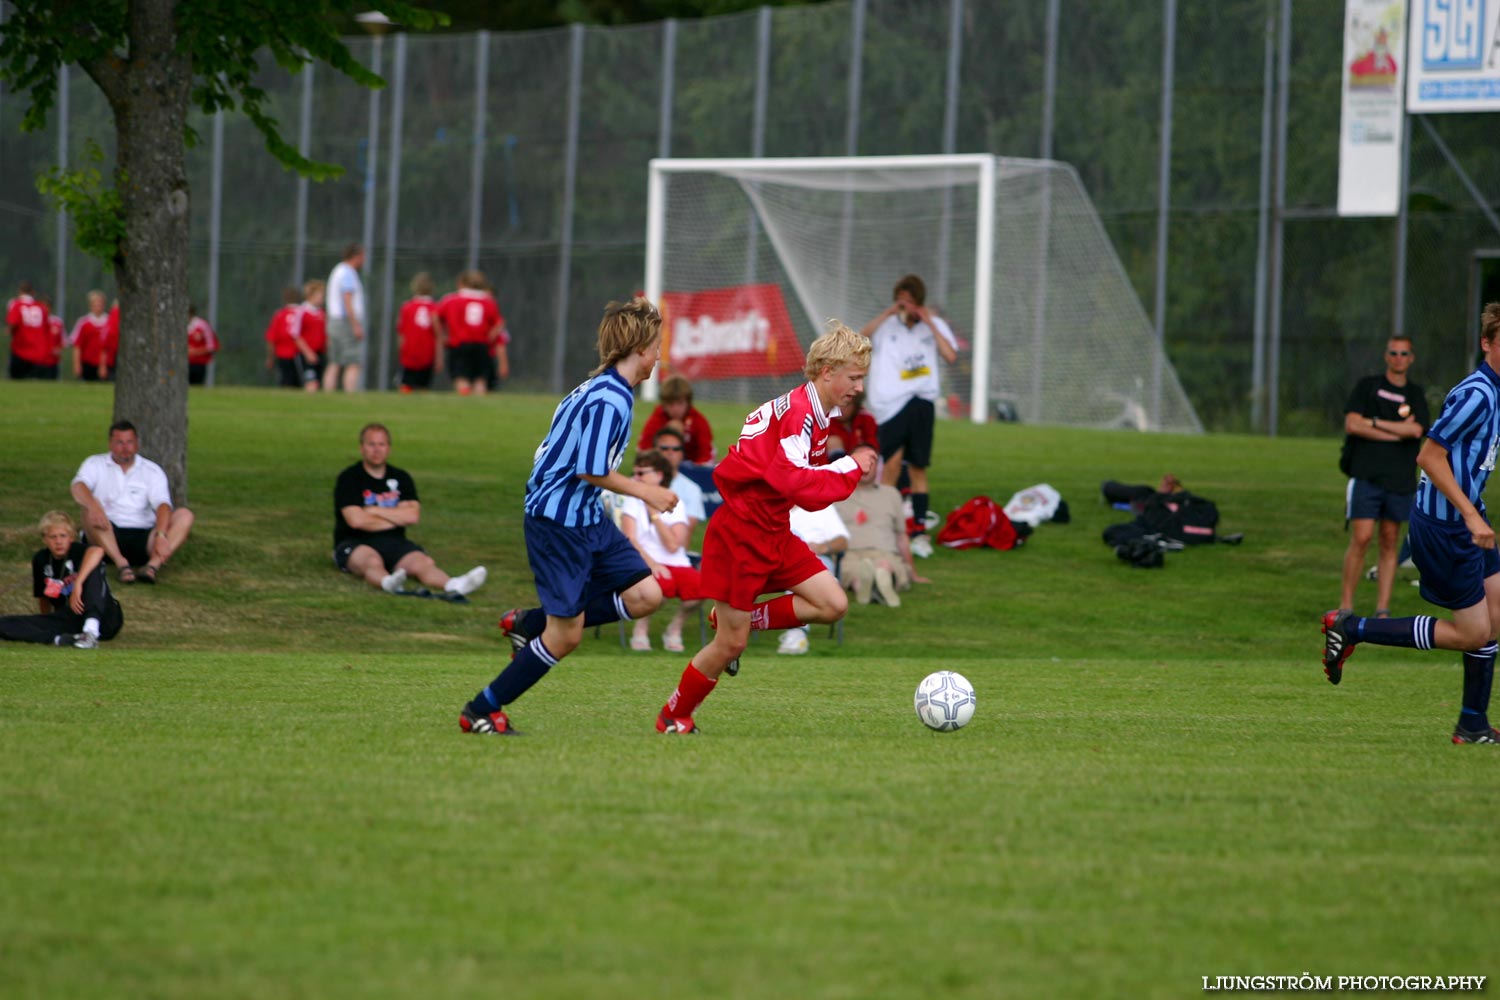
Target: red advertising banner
(731,332)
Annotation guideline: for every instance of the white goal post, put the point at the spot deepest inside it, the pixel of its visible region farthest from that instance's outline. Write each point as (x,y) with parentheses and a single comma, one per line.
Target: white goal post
(748,255)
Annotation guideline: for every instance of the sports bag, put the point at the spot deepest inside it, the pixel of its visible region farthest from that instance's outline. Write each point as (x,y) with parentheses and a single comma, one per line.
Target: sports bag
(1183,516)
(979,522)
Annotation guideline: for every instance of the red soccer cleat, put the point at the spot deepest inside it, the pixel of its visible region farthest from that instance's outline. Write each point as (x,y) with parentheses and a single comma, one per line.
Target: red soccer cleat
(671,727)
(493,724)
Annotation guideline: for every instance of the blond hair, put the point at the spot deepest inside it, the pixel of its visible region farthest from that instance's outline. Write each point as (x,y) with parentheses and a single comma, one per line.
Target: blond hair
(311,288)
(57,519)
(839,346)
(627,328)
(421,284)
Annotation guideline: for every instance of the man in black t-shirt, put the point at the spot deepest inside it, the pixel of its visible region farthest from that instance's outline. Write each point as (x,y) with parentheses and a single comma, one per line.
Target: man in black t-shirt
(67,579)
(373,503)
(1386,416)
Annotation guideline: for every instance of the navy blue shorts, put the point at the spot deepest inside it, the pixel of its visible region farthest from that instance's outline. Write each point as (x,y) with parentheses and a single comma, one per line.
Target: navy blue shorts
(1453,568)
(572,566)
(1364,501)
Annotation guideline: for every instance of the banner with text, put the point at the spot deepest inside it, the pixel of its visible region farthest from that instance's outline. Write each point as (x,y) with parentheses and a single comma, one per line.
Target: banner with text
(734,332)
(1454,56)
(1370,129)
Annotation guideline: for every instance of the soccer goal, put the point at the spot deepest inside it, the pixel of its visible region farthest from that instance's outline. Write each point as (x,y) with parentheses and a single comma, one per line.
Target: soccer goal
(749,258)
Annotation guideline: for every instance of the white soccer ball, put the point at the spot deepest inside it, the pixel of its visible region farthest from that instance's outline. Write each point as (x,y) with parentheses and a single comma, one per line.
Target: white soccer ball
(945,701)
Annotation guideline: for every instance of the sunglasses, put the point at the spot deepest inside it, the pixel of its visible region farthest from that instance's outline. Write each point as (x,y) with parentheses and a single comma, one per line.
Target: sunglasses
(669,447)
(1399,354)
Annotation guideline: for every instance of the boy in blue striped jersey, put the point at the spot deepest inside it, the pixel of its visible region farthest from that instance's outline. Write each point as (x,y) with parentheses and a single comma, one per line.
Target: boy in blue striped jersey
(587,572)
(1452,544)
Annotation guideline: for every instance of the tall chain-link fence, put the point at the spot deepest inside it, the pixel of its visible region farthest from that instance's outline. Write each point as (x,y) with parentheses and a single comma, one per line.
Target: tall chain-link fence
(525,154)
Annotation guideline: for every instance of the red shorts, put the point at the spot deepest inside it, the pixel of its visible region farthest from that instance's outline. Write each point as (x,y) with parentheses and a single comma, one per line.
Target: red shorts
(741,561)
(684,584)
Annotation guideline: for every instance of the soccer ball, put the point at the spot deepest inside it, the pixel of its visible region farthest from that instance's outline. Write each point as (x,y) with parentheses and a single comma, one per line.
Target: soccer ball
(945,701)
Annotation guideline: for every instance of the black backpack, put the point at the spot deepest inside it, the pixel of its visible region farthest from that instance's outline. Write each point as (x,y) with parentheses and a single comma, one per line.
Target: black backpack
(1183,516)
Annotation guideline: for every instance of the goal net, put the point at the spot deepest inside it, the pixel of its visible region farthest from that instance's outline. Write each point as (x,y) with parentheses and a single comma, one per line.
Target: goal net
(749,258)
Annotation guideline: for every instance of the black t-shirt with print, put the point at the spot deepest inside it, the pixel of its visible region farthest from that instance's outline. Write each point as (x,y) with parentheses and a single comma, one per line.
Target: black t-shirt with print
(1391,465)
(54,578)
(357,488)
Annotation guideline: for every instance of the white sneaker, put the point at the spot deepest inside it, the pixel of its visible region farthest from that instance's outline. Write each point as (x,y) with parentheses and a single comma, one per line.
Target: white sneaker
(393,583)
(793,642)
(85,640)
(921,546)
(469,582)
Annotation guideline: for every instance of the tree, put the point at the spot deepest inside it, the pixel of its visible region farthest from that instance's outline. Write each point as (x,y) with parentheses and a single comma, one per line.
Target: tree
(153,60)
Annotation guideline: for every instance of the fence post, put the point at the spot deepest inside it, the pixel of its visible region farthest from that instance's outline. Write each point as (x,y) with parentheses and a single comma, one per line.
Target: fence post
(950,142)
(758,131)
(1164,199)
(215,230)
(392,212)
(476,156)
(1278,223)
(570,179)
(1262,219)
(367,236)
(304,146)
(1398,294)
(60,284)
(851,129)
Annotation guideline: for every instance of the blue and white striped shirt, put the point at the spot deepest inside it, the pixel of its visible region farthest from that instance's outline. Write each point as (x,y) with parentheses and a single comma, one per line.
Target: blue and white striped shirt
(1469,427)
(590,430)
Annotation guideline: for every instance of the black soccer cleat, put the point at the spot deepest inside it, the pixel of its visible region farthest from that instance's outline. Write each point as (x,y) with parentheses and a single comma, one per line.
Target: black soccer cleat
(1338,644)
(1490,735)
(510,624)
(493,724)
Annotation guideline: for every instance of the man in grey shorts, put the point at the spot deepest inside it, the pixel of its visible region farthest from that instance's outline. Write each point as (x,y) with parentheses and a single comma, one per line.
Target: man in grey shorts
(346,321)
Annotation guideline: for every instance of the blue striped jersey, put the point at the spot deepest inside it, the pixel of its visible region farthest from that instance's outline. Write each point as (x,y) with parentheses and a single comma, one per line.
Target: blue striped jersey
(1469,427)
(589,432)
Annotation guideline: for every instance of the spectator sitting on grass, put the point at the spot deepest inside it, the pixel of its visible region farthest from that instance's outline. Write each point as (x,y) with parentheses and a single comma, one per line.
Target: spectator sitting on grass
(72,594)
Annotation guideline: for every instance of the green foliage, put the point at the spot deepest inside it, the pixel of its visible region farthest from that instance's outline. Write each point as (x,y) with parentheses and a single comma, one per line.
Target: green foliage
(1159,785)
(97,211)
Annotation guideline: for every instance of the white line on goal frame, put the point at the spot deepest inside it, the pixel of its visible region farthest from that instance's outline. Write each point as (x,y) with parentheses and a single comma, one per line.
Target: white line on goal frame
(984,252)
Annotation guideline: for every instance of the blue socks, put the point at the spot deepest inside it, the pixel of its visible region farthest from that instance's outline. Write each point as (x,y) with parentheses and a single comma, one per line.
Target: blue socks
(1412,633)
(1479,674)
(529,666)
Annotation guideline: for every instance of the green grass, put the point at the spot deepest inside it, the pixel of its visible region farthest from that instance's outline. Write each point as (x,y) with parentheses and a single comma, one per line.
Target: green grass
(259,788)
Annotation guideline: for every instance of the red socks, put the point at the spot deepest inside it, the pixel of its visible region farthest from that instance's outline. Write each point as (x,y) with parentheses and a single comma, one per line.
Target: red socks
(774,615)
(691,691)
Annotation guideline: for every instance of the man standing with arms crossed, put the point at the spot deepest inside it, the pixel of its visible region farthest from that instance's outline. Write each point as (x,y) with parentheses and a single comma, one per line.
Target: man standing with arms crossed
(346,321)
(1386,416)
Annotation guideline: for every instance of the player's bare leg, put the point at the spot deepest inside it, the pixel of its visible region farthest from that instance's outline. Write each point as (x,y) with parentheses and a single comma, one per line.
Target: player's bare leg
(1385,571)
(179,526)
(365,563)
(351,378)
(891,473)
(424,568)
(820,600)
(101,533)
(331,376)
(730,639)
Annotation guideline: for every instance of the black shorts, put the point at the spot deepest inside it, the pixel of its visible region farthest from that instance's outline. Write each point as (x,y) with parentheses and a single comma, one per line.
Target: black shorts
(910,432)
(289,373)
(134,543)
(390,550)
(91,374)
(471,362)
(20,368)
(417,378)
(313,371)
(197,374)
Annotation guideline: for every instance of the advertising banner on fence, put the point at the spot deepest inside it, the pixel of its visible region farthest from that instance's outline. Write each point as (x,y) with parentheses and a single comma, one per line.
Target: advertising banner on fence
(1370,131)
(734,332)
(1455,56)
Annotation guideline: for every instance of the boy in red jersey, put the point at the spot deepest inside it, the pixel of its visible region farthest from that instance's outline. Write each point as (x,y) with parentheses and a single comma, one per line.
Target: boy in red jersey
(203,344)
(314,335)
(749,550)
(56,338)
(417,329)
(27,319)
(284,340)
(472,321)
(676,411)
(87,340)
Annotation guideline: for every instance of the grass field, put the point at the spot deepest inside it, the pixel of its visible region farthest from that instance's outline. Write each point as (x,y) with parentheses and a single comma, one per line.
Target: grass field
(259,789)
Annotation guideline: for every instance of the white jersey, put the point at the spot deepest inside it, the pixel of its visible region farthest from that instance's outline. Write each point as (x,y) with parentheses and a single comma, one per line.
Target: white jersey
(344,278)
(904,364)
(129,499)
(645,532)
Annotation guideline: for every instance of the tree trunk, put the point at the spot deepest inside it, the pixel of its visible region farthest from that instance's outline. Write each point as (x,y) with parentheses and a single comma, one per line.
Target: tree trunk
(151,387)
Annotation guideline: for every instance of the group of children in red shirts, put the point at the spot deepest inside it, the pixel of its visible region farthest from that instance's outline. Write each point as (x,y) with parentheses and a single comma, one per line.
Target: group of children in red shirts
(474,332)
(38,338)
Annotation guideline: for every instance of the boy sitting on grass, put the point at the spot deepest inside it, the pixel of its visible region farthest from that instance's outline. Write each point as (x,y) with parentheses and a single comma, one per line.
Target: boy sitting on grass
(67,578)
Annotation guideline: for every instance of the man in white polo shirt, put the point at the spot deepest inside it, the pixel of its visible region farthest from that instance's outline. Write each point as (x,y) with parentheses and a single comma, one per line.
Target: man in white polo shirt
(127,507)
(345,308)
